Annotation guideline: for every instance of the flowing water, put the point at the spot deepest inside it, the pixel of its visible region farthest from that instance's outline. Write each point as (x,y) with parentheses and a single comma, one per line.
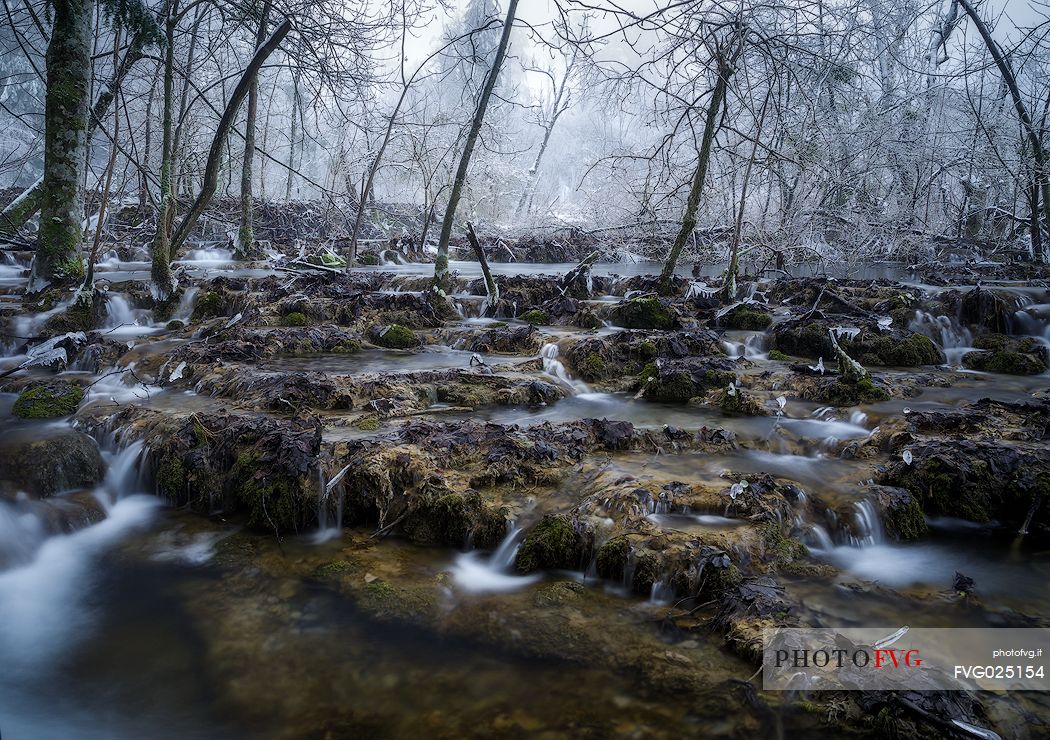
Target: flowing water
(124,619)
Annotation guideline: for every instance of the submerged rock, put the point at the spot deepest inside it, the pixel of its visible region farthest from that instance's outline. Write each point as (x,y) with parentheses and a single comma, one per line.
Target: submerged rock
(45,464)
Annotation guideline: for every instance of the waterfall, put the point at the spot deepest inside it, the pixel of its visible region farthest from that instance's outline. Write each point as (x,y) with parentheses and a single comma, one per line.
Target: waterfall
(185,308)
(118,311)
(46,577)
(476,573)
(329,531)
(869,525)
(954,340)
(553,366)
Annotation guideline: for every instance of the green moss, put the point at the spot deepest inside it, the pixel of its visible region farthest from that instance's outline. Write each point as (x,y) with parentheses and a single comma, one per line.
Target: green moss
(535,317)
(175,325)
(592,367)
(1006,363)
(649,371)
(206,306)
(48,401)
(273,501)
(647,350)
(776,354)
(367,423)
(550,543)
(171,478)
(79,316)
(779,547)
(295,318)
(395,337)
(747,318)
(643,313)
(611,559)
(685,385)
(368,258)
(70,270)
(646,573)
(347,347)
(333,569)
(841,392)
(887,351)
(905,520)
(993,342)
(739,403)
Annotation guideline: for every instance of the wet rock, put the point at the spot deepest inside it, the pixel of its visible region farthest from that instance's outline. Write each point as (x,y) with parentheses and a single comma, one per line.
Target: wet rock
(48,401)
(901,515)
(552,543)
(863,340)
(678,381)
(982,307)
(840,392)
(746,316)
(503,339)
(535,317)
(394,336)
(45,464)
(976,480)
(624,355)
(644,313)
(1007,355)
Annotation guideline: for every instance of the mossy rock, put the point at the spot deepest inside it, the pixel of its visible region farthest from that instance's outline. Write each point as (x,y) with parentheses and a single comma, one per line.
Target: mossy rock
(367,423)
(779,547)
(207,305)
(739,403)
(644,313)
(48,401)
(680,381)
(549,544)
(1006,363)
(645,572)
(902,517)
(171,478)
(295,318)
(394,336)
(83,314)
(776,354)
(273,501)
(611,559)
(370,259)
(175,325)
(45,463)
(535,317)
(841,392)
(456,520)
(746,318)
(870,347)
(890,351)
(993,342)
(593,368)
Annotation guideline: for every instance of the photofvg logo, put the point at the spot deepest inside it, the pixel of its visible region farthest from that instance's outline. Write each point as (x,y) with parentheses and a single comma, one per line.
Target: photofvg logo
(896,659)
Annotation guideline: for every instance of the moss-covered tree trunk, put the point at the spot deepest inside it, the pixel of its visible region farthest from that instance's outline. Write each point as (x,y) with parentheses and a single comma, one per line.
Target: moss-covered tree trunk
(692,204)
(65,143)
(160,273)
(441,263)
(246,232)
(22,208)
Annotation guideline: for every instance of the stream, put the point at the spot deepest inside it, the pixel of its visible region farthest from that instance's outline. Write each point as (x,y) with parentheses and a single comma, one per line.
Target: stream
(126,616)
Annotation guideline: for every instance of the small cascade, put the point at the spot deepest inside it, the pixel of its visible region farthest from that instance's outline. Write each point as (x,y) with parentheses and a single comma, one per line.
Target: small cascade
(327,531)
(869,525)
(121,318)
(185,308)
(753,347)
(478,573)
(953,339)
(553,366)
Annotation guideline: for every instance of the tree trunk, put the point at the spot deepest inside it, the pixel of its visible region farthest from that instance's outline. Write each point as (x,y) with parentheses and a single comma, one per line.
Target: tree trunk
(714,111)
(441,263)
(296,104)
(160,273)
(490,282)
(1034,136)
(211,169)
(246,232)
(65,143)
(22,208)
